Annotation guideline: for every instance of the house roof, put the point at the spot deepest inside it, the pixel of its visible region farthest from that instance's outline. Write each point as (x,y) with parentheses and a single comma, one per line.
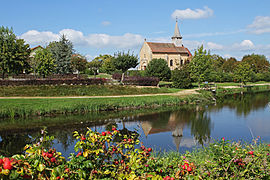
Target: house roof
(36,48)
(167,48)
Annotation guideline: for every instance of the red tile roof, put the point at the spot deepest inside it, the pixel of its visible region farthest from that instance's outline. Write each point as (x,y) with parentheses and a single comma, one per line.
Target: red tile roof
(36,48)
(167,48)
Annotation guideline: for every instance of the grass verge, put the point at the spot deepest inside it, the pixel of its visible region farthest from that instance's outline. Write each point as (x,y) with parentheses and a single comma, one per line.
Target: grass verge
(10,108)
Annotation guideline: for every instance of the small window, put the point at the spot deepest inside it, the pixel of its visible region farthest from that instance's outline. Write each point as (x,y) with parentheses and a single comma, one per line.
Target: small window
(144,67)
(187,61)
(181,62)
(171,62)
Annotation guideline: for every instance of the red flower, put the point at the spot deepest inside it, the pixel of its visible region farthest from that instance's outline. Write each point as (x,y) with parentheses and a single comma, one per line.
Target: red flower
(53,160)
(251,152)
(83,138)
(113,128)
(189,169)
(103,134)
(149,149)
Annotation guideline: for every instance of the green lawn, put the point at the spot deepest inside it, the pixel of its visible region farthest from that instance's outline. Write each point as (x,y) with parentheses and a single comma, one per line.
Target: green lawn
(101,75)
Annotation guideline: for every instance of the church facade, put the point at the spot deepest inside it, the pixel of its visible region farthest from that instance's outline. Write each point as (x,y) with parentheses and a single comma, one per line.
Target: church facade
(174,53)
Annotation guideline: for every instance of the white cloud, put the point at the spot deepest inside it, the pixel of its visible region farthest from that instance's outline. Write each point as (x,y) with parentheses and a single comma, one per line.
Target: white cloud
(214,46)
(127,40)
(193,14)
(245,45)
(106,23)
(36,37)
(260,25)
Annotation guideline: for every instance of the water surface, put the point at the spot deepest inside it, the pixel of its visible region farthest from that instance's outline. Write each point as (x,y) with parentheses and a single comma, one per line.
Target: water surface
(237,118)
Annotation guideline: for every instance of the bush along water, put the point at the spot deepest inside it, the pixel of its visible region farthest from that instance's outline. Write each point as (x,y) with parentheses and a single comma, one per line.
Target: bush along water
(117,154)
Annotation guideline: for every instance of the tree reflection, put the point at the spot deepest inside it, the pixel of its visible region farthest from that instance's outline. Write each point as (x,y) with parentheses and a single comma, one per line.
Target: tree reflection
(244,104)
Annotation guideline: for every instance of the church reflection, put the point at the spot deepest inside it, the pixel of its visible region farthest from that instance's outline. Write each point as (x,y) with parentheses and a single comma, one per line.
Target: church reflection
(196,119)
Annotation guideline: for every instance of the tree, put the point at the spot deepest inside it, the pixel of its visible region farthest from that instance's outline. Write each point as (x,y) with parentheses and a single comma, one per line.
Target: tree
(229,65)
(45,62)
(258,63)
(14,53)
(62,51)
(181,78)
(95,65)
(124,61)
(78,63)
(243,72)
(200,66)
(217,61)
(158,68)
(107,64)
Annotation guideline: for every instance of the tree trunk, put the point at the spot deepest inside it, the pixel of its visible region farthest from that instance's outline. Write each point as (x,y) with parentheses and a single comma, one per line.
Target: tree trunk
(123,77)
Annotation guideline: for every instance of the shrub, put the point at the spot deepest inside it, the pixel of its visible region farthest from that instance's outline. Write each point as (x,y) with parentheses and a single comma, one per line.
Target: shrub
(158,68)
(91,81)
(181,79)
(141,81)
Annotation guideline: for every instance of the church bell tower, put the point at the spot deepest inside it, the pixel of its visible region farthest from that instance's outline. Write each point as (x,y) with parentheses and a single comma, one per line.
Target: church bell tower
(177,38)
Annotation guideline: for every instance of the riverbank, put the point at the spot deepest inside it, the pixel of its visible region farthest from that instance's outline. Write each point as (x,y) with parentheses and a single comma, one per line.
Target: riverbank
(11,107)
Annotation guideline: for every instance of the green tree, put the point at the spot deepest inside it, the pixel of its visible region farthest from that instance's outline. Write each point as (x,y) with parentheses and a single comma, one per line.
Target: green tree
(217,61)
(258,63)
(181,78)
(243,73)
(124,61)
(14,53)
(45,62)
(78,63)
(229,65)
(62,51)
(200,66)
(107,64)
(95,65)
(158,68)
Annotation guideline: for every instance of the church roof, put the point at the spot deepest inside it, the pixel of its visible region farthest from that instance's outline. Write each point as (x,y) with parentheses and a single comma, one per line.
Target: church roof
(167,48)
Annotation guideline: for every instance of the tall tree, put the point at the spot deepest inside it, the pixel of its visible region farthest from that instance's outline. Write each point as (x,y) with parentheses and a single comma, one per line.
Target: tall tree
(158,68)
(124,61)
(200,65)
(229,65)
(243,72)
(62,51)
(14,53)
(258,63)
(45,62)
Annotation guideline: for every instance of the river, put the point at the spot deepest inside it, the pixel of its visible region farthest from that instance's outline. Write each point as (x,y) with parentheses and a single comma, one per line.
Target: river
(236,117)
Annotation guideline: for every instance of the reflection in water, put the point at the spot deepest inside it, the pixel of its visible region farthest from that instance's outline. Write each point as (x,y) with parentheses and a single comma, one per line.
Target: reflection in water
(189,126)
(174,122)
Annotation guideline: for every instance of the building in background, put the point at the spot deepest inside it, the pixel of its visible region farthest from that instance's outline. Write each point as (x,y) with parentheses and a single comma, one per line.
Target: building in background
(174,53)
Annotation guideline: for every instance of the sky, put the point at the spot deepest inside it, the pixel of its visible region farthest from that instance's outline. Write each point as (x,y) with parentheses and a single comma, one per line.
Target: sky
(230,28)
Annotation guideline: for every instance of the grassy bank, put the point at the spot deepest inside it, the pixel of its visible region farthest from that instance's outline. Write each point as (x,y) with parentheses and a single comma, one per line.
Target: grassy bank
(221,92)
(83,90)
(42,107)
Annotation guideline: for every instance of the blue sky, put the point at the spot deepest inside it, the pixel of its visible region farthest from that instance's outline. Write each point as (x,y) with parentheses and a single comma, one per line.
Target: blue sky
(228,28)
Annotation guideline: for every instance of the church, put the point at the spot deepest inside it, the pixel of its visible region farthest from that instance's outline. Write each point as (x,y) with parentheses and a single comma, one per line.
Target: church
(174,53)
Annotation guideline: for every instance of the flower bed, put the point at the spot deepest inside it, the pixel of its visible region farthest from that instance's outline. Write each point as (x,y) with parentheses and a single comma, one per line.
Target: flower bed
(92,81)
(118,154)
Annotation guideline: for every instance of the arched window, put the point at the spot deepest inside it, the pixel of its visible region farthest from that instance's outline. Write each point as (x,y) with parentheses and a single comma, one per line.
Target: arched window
(181,62)
(171,62)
